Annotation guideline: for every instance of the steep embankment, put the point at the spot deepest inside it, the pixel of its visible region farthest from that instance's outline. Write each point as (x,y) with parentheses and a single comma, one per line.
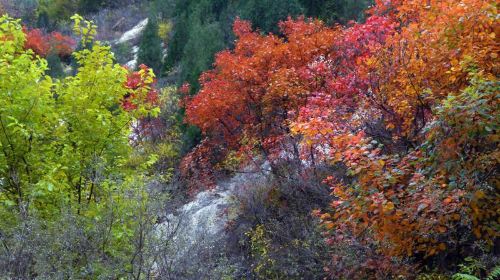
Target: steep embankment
(196,231)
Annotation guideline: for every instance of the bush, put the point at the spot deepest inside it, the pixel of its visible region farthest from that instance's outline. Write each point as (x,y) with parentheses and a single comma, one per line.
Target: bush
(44,44)
(274,229)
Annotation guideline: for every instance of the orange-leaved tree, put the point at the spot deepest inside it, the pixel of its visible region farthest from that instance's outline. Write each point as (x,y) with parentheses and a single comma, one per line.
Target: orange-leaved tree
(405,102)
(245,102)
(422,157)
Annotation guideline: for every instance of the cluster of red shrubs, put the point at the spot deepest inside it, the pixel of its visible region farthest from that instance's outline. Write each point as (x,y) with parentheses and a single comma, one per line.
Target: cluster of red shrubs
(44,44)
(141,86)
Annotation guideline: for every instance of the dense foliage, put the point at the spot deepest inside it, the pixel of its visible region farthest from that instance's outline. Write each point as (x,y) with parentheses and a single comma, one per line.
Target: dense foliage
(45,44)
(331,140)
(404,106)
(70,180)
(203,27)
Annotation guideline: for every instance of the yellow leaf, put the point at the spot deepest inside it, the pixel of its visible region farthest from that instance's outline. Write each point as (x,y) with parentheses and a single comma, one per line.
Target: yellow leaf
(329,225)
(442,229)
(325,216)
(389,206)
(479,194)
(477,232)
(432,252)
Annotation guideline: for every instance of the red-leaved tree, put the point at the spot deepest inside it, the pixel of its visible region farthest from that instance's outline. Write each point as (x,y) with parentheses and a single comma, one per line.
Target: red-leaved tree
(43,44)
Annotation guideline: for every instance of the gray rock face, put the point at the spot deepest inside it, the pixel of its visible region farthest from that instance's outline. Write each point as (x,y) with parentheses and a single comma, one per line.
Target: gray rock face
(197,231)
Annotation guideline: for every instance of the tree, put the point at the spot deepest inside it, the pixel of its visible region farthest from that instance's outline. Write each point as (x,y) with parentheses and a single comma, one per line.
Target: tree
(191,16)
(199,49)
(205,27)
(401,106)
(54,64)
(244,103)
(59,10)
(150,48)
(43,21)
(336,10)
(92,6)
(22,131)
(265,15)
(407,190)
(66,158)
(89,6)
(37,42)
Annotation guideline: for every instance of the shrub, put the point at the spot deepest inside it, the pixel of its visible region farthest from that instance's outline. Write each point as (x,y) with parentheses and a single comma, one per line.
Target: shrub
(44,44)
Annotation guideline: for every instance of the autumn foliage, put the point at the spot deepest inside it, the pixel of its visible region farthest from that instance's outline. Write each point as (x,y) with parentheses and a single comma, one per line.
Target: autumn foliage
(407,102)
(43,44)
(423,168)
(141,87)
(142,100)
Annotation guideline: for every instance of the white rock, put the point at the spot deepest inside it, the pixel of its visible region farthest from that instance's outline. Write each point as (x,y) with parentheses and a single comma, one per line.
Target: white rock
(131,64)
(202,221)
(133,33)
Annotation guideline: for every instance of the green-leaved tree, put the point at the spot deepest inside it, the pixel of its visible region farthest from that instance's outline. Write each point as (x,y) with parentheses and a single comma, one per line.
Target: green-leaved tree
(73,197)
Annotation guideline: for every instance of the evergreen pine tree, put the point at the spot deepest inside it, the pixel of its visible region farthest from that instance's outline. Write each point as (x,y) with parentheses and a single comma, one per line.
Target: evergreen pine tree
(89,6)
(150,50)
(265,15)
(43,21)
(55,66)
(339,11)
